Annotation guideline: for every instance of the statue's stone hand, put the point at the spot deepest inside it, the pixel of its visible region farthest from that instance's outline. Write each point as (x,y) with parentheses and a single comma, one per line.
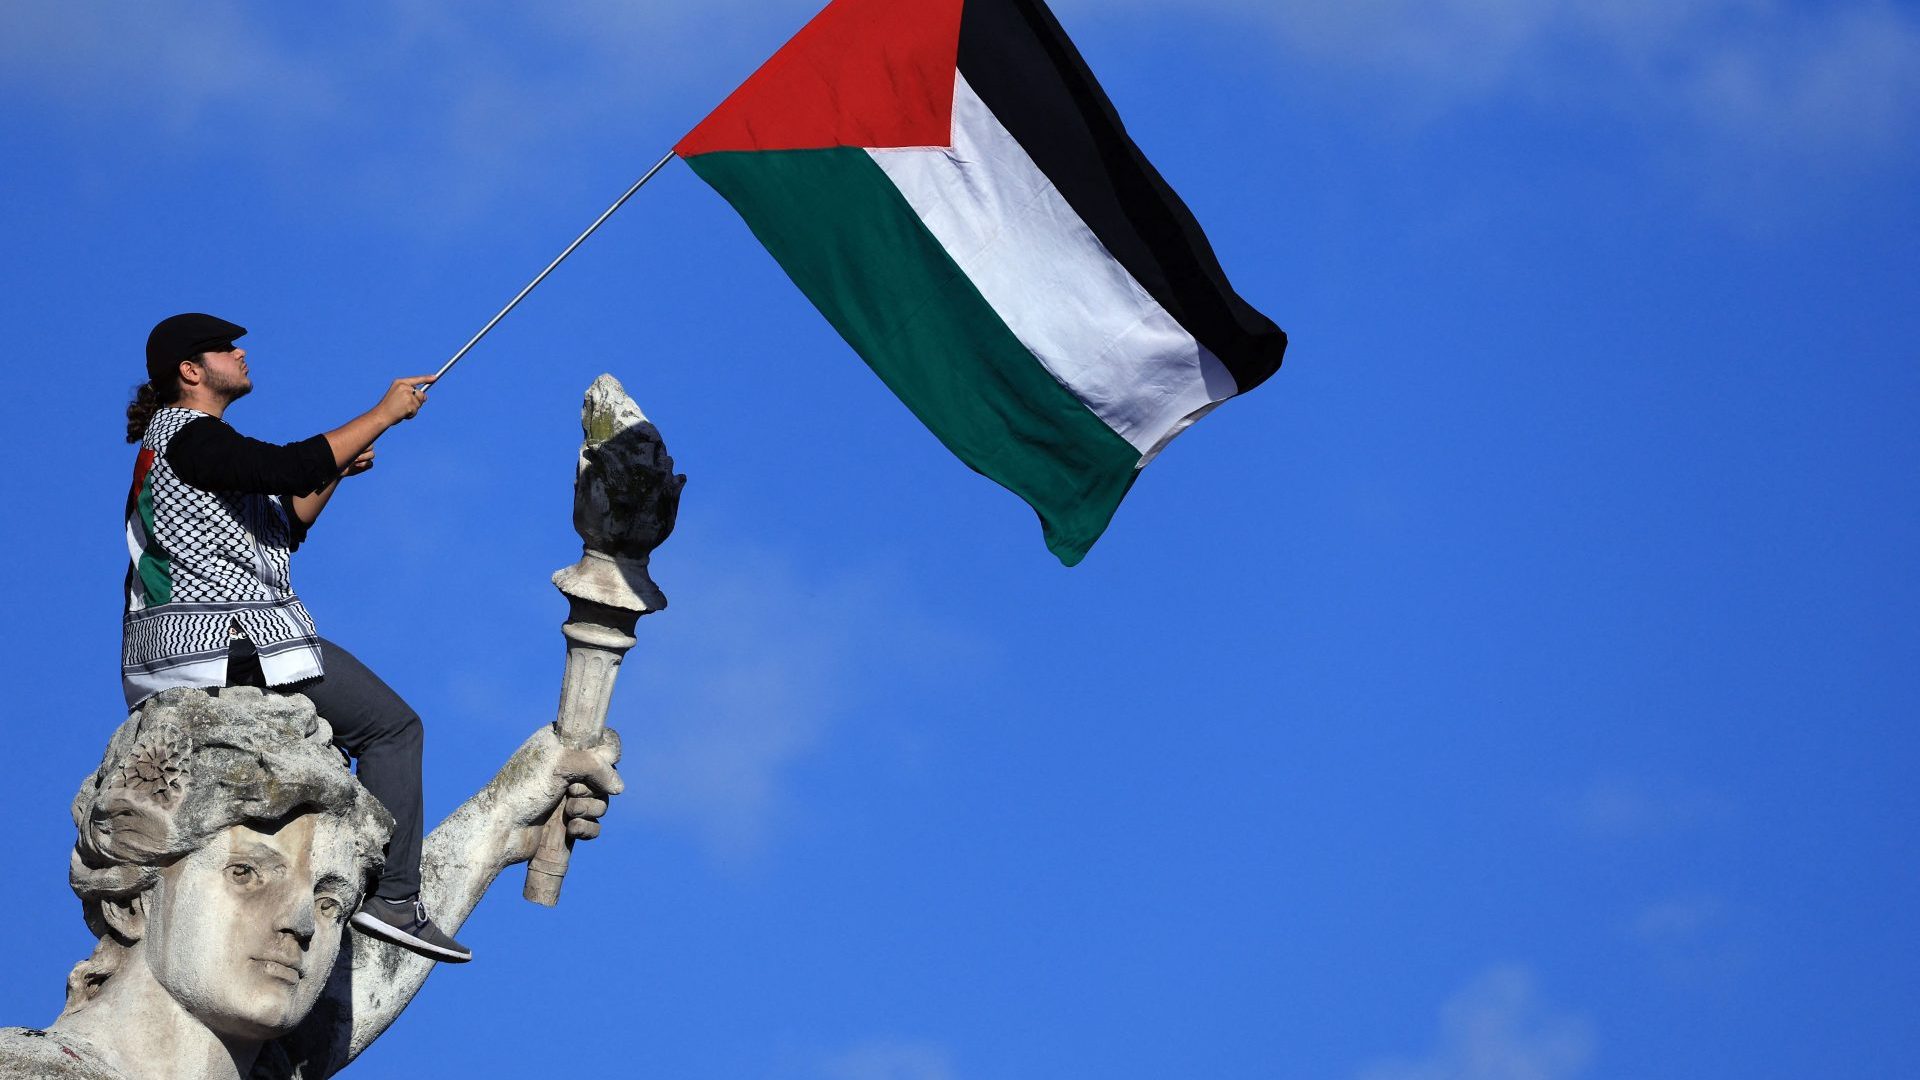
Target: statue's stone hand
(541,775)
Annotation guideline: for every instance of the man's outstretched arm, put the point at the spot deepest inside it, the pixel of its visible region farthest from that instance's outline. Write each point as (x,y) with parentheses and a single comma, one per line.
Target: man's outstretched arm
(352,442)
(306,508)
(213,457)
(401,403)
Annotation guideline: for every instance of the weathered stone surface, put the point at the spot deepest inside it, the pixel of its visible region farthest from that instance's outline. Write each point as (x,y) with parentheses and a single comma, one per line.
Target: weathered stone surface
(221,846)
(625,499)
(35,1054)
(625,492)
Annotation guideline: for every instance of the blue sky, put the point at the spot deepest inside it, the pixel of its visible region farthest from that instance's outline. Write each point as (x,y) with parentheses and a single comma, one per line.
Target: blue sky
(1508,690)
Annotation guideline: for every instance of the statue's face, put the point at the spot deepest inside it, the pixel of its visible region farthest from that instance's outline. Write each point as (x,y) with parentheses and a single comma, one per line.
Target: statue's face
(244,931)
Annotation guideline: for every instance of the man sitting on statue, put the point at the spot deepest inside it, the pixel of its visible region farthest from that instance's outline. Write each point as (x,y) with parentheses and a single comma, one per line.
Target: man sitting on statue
(212,519)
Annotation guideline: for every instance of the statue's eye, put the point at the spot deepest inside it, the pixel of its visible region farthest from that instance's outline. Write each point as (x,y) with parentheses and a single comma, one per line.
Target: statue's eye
(242,874)
(328,907)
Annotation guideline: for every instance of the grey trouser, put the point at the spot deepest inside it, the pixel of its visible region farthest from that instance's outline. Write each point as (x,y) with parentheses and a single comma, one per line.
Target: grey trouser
(382,735)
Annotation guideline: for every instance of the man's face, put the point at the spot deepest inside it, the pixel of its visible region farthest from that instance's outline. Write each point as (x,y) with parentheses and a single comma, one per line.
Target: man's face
(244,931)
(224,372)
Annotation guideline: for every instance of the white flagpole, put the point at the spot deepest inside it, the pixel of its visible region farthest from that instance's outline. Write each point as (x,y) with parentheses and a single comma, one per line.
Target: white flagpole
(618,203)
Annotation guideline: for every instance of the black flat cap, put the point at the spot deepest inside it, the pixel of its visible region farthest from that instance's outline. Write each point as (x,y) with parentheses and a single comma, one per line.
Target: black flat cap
(182,337)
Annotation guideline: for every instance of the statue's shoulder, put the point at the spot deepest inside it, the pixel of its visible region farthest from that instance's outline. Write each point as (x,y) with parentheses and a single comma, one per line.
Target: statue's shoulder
(33,1054)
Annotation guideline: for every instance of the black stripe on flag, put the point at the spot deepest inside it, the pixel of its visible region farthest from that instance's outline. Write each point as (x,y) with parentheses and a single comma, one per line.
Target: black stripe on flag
(1021,63)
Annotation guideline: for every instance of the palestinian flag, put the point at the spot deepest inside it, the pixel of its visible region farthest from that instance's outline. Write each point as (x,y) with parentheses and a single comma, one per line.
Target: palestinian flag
(948,184)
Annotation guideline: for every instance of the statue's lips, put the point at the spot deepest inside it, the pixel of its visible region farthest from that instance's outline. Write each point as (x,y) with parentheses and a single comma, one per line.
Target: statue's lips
(285,968)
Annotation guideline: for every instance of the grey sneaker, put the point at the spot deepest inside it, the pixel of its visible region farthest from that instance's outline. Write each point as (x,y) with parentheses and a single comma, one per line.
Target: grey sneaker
(405,923)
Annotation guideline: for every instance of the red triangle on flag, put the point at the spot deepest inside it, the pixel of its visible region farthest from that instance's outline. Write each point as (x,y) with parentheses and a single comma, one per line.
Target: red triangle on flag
(869,73)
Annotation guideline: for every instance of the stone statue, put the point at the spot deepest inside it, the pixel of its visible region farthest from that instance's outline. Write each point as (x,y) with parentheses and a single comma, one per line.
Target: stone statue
(625,499)
(222,847)
(223,844)
(625,493)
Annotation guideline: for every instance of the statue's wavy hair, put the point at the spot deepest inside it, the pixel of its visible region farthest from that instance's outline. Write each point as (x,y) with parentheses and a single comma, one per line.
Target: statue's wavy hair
(183,768)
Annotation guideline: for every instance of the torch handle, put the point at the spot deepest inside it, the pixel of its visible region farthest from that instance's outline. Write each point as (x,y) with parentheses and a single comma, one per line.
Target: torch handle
(548,869)
(594,652)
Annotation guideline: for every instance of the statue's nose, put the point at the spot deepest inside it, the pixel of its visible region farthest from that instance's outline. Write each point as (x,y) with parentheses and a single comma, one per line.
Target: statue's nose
(296,917)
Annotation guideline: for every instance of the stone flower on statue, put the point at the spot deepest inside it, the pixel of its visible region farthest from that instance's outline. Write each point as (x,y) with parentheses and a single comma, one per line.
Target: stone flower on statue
(156,768)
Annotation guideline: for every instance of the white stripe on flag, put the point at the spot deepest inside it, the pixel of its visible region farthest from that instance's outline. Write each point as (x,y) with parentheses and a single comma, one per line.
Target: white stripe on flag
(1068,300)
(136,547)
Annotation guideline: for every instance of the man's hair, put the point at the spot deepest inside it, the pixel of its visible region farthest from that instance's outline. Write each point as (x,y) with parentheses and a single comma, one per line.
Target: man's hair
(152,396)
(182,769)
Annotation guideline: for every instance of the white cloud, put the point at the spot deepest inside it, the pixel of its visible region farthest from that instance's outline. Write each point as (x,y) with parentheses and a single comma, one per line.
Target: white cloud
(435,112)
(761,661)
(889,1059)
(1767,69)
(475,102)
(169,64)
(1846,79)
(1803,81)
(1676,921)
(1628,808)
(1497,1028)
(1694,942)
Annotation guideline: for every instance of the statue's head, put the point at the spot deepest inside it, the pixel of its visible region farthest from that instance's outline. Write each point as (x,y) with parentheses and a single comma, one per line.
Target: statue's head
(223,844)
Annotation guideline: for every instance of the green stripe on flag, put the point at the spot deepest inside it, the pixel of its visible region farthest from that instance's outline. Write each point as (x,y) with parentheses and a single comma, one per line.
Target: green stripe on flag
(849,240)
(156,570)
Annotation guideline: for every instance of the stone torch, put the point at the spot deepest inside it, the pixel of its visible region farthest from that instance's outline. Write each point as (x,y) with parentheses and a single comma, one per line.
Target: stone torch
(625,498)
